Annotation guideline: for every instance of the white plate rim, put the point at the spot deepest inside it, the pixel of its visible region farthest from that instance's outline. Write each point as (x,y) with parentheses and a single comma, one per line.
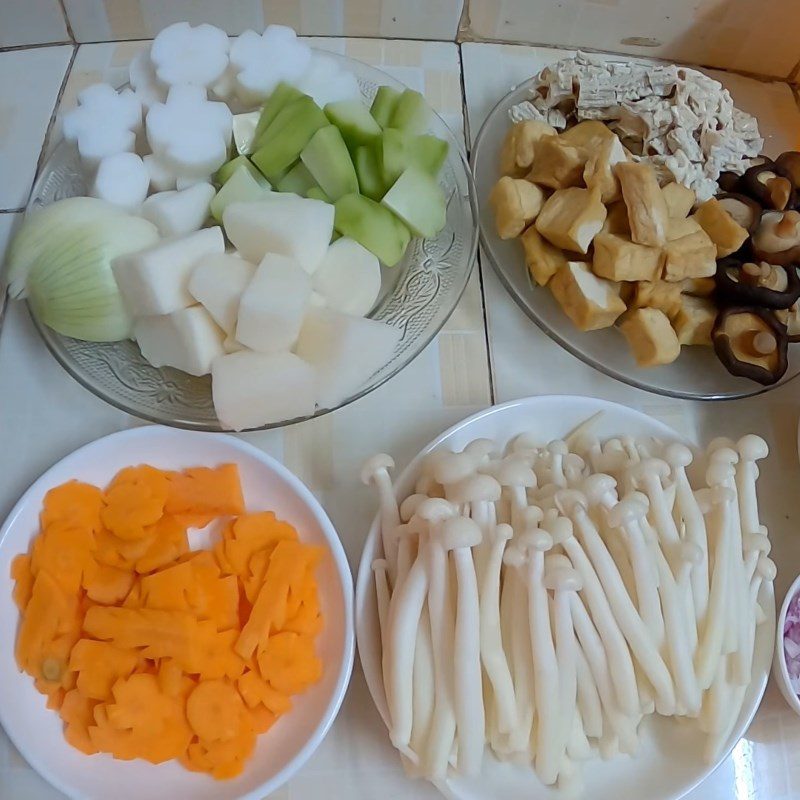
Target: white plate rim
(337,552)
(364,585)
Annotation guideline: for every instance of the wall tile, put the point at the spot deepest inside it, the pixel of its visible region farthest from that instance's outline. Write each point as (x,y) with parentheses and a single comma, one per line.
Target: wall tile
(102,20)
(718,33)
(31,22)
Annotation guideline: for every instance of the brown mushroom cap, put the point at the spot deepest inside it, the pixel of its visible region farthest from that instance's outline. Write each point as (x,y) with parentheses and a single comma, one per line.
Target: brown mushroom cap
(729,181)
(789,162)
(770,185)
(777,238)
(744,210)
(757,284)
(751,343)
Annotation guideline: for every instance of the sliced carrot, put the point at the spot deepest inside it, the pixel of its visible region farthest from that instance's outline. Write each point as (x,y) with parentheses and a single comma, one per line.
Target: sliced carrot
(289,663)
(169,588)
(223,759)
(167,543)
(263,719)
(251,533)
(135,500)
(77,711)
(99,666)
(65,551)
(203,493)
(213,596)
(256,691)
(107,585)
(23,580)
(74,503)
(214,710)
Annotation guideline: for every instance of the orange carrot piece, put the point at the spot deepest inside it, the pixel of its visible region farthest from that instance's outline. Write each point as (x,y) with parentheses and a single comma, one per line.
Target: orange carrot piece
(23,580)
(203,492)
(99,666)
(214,710)
(74,503)
(77,713)
(168,542)
(263,719)
(289,663)
(256,691)
(135,500)
(107,585)
(251,533)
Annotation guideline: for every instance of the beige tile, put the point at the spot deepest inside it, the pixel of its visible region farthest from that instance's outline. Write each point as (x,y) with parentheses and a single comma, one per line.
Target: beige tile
(463,384)
(361,17)
(308,452)
(31,22)
(368,50)
(29,84)
(420,19)
(282,12)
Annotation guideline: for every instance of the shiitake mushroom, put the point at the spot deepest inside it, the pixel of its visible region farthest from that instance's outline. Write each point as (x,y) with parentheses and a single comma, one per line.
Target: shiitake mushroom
(744,210)
(751,343)
(777,238)
(790,317)
(789,162)
(770,185)
(763,284)
(729,181)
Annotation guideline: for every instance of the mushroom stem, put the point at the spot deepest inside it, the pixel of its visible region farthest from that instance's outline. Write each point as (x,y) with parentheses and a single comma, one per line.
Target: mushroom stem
(647,476)
(493,654)
(589,706)
(423,689)
(376,472)
(750,448)
(382,597)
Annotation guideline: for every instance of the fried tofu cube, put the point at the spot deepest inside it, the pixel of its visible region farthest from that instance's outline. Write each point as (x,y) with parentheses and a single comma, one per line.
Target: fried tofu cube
(571,218)
(619,259)
(516,156)
(541,257)
(617,219)
(516,203)
(556,164)
(657,294)
(678,228)
(726,233)
(692,256)
(698,287)
(647,208)
(590,302)
(590,134)
(599,170)
(679,199)
(695,320)
(650,337)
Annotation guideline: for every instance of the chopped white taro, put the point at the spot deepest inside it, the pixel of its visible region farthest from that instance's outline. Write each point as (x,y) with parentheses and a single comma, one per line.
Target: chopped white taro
(189,133)
(349,278)
(156,280)
(105,122)
(272,307)
(344,351)
(182,54)
(162,178)
(146,85)
(122,180)
(217,282)
(674,117)
(253,389)
(176,213)
(187,339)
(262,61)
(182,182)
(326,82)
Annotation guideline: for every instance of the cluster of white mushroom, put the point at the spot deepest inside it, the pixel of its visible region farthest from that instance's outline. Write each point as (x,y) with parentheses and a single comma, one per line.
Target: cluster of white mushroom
(546,599)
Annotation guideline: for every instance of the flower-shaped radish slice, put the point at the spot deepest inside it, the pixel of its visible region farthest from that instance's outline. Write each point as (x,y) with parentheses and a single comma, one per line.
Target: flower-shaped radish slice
(263,61)
(326,82)
(146,85)
(189,134)
(122,179)
(182,54)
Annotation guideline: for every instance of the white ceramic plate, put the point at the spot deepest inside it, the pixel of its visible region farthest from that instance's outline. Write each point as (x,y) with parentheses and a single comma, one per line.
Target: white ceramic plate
(267,485)
(670,763)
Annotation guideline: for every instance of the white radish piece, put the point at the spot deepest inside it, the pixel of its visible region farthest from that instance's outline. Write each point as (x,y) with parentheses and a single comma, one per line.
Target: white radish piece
(326,82)
(217,282)
(182,54)
(262,61)
(375,472)
(622,672)
(178,213)
(156,280)
(162,178)
(252,389)
(122,180)
(459,535)
(286,224)
(328,341)
(146,85)
(273,306)
(349,278)
(625,613)
(493,655)
(187,339)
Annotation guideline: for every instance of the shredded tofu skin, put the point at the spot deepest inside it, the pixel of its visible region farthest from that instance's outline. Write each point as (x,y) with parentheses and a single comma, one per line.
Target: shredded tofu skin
(676,118)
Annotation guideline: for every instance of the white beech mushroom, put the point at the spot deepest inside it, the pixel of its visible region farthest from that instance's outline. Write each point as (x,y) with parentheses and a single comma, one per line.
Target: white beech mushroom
(630,623)
(588,699)
(679,457)
(442,617)
(459,535)
(493,654)
(406,544)
(426,483)
(647,476)
(423,692)
(751,449)
(757,547)
(688,557)
(622,672)
(376,472)
(515,477)
(479,492)
(382,598)
(574,467)
(588,447)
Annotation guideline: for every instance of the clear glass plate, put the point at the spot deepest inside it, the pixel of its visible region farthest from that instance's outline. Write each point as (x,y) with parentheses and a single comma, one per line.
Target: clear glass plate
(696,375)
(417,295)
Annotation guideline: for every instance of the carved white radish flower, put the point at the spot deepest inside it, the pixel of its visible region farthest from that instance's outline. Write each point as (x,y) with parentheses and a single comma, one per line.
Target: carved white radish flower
(182,54)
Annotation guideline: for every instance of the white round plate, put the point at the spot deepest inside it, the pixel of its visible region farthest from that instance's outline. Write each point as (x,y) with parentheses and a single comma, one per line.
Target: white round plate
(267,485)
(670,762)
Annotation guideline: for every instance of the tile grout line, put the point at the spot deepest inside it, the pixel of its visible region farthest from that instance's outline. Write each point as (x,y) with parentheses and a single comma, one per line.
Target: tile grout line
(11,210)
(13,48)
(478,264)
(67,20)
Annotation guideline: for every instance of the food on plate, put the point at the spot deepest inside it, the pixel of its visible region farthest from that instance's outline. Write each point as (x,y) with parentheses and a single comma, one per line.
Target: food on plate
(590,302)
(539,600)
(677,119)
(791,643)
(150,649)
(751,342)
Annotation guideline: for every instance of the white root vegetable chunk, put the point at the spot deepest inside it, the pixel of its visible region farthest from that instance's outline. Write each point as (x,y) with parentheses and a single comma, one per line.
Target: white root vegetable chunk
(122,180)
(349,278)
(272,307)
(286,224)
(189,133)
(162,178)
(253,389)
(103,124)
(261,62)
(328,341)
(217,282)
(187,339)
(178,213)
(182,54)
(459,535)
(156,280)
(148,89)
(326,82)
